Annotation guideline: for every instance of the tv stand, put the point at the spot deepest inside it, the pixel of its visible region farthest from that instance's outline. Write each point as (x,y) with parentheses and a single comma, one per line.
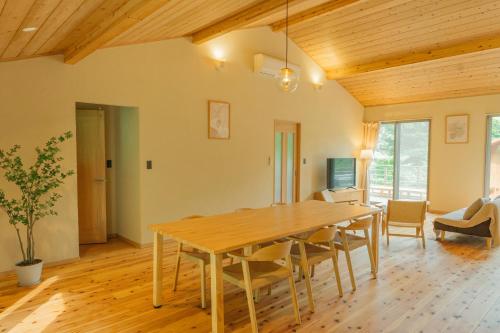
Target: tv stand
(345,195)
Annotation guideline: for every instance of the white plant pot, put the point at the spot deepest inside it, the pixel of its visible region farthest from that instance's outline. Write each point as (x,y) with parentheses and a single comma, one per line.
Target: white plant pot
(29,275)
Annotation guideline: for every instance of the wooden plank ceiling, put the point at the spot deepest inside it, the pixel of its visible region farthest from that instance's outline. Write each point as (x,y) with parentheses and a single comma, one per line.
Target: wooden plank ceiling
(381,51)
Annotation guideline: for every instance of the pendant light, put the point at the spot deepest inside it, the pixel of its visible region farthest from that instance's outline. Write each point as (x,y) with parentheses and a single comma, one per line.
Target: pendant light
(287,78)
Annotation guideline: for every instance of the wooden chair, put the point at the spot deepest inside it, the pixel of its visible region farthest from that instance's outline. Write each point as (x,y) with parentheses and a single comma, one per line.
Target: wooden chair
(259,270)
(346,241)
(202,259)
(253,248)
(310,250)
(325,195)
(406,214)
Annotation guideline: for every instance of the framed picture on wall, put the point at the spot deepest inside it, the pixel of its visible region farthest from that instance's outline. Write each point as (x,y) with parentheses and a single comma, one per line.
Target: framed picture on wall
(219,120)
(457,128)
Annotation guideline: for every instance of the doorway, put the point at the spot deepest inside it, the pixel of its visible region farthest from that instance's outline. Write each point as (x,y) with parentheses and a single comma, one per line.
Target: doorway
(107,173)
(286,162)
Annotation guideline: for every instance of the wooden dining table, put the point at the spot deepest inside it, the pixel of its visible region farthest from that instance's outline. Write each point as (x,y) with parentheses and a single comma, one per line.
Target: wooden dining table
(220,234)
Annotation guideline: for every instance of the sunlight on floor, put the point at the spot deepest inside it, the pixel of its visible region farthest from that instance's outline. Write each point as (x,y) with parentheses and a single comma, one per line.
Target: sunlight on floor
(42,317)
(32,294)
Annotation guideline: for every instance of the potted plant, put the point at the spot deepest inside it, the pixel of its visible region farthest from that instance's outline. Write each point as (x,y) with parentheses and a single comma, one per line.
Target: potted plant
(36,199)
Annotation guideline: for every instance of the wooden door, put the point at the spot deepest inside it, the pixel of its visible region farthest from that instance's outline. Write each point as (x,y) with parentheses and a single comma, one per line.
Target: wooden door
(90,136)
(286,161)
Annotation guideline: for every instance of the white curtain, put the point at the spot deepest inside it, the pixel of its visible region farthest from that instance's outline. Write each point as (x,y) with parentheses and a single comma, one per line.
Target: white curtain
(370,137)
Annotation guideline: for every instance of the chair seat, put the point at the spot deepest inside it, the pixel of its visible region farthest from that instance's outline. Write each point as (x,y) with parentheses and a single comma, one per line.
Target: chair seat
(404,224)
(354,241)
(314,253)
(262,273)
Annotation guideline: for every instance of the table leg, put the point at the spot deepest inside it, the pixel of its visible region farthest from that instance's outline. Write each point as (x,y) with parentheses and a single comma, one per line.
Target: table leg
(217,289)
(157,270)
(375,239)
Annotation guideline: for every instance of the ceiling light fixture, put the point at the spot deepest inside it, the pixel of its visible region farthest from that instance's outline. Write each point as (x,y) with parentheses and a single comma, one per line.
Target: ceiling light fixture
(30,29)
(287,78)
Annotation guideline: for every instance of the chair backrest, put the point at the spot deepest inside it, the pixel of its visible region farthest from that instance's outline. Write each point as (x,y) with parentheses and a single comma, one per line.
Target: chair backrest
(192,217)
(325,195)
(363,223)
(271,252)
(406,211)
(242,209)
(323,235)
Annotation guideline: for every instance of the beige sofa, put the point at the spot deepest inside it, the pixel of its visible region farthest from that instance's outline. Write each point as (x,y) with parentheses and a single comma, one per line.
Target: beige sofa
(484,223)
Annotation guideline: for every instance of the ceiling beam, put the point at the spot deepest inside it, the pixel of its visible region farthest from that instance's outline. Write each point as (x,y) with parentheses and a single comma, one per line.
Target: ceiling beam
(417,57)
(240,19)
(128,15)
(313,12)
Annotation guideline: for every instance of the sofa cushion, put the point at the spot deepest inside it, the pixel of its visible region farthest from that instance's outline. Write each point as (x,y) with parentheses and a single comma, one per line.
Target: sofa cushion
(473,209)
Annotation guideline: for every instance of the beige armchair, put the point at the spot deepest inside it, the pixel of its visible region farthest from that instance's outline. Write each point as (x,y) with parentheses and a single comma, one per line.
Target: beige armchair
(406,214)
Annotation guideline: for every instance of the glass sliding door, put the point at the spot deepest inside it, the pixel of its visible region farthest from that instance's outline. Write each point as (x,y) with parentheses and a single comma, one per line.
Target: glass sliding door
(400,166)
(413,153)
(492,174)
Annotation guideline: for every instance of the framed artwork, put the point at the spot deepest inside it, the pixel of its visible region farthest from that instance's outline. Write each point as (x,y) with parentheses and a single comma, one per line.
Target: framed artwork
(219,120)
(457,128)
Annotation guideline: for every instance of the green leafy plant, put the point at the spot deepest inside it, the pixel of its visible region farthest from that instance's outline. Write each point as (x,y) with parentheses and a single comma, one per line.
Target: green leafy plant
(36,185)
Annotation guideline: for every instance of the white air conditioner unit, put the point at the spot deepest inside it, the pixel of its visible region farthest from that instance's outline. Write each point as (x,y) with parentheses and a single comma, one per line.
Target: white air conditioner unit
(269,66)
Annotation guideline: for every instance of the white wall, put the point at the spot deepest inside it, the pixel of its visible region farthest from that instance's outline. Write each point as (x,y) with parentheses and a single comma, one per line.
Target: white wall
(127,171)
(170,82)
(456,171)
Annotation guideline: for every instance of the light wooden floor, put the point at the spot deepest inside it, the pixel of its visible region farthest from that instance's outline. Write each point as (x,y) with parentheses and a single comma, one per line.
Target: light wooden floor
(450,287)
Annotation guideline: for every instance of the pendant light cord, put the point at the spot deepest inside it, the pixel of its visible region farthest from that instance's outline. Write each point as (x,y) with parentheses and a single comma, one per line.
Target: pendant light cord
(286,36)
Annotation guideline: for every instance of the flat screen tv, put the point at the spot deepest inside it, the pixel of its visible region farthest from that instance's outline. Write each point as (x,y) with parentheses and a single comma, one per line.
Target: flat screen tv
(341,173)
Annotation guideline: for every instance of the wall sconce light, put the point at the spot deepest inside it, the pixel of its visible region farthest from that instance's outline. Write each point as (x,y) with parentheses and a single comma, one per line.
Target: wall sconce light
(317,82)
(219,64)
(318,86)
(219,59)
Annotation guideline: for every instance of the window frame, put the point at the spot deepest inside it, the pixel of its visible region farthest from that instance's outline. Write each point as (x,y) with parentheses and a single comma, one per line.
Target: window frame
(487,154)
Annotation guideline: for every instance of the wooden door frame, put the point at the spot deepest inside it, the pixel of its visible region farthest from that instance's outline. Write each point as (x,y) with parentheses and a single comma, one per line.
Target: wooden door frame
(288,126)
